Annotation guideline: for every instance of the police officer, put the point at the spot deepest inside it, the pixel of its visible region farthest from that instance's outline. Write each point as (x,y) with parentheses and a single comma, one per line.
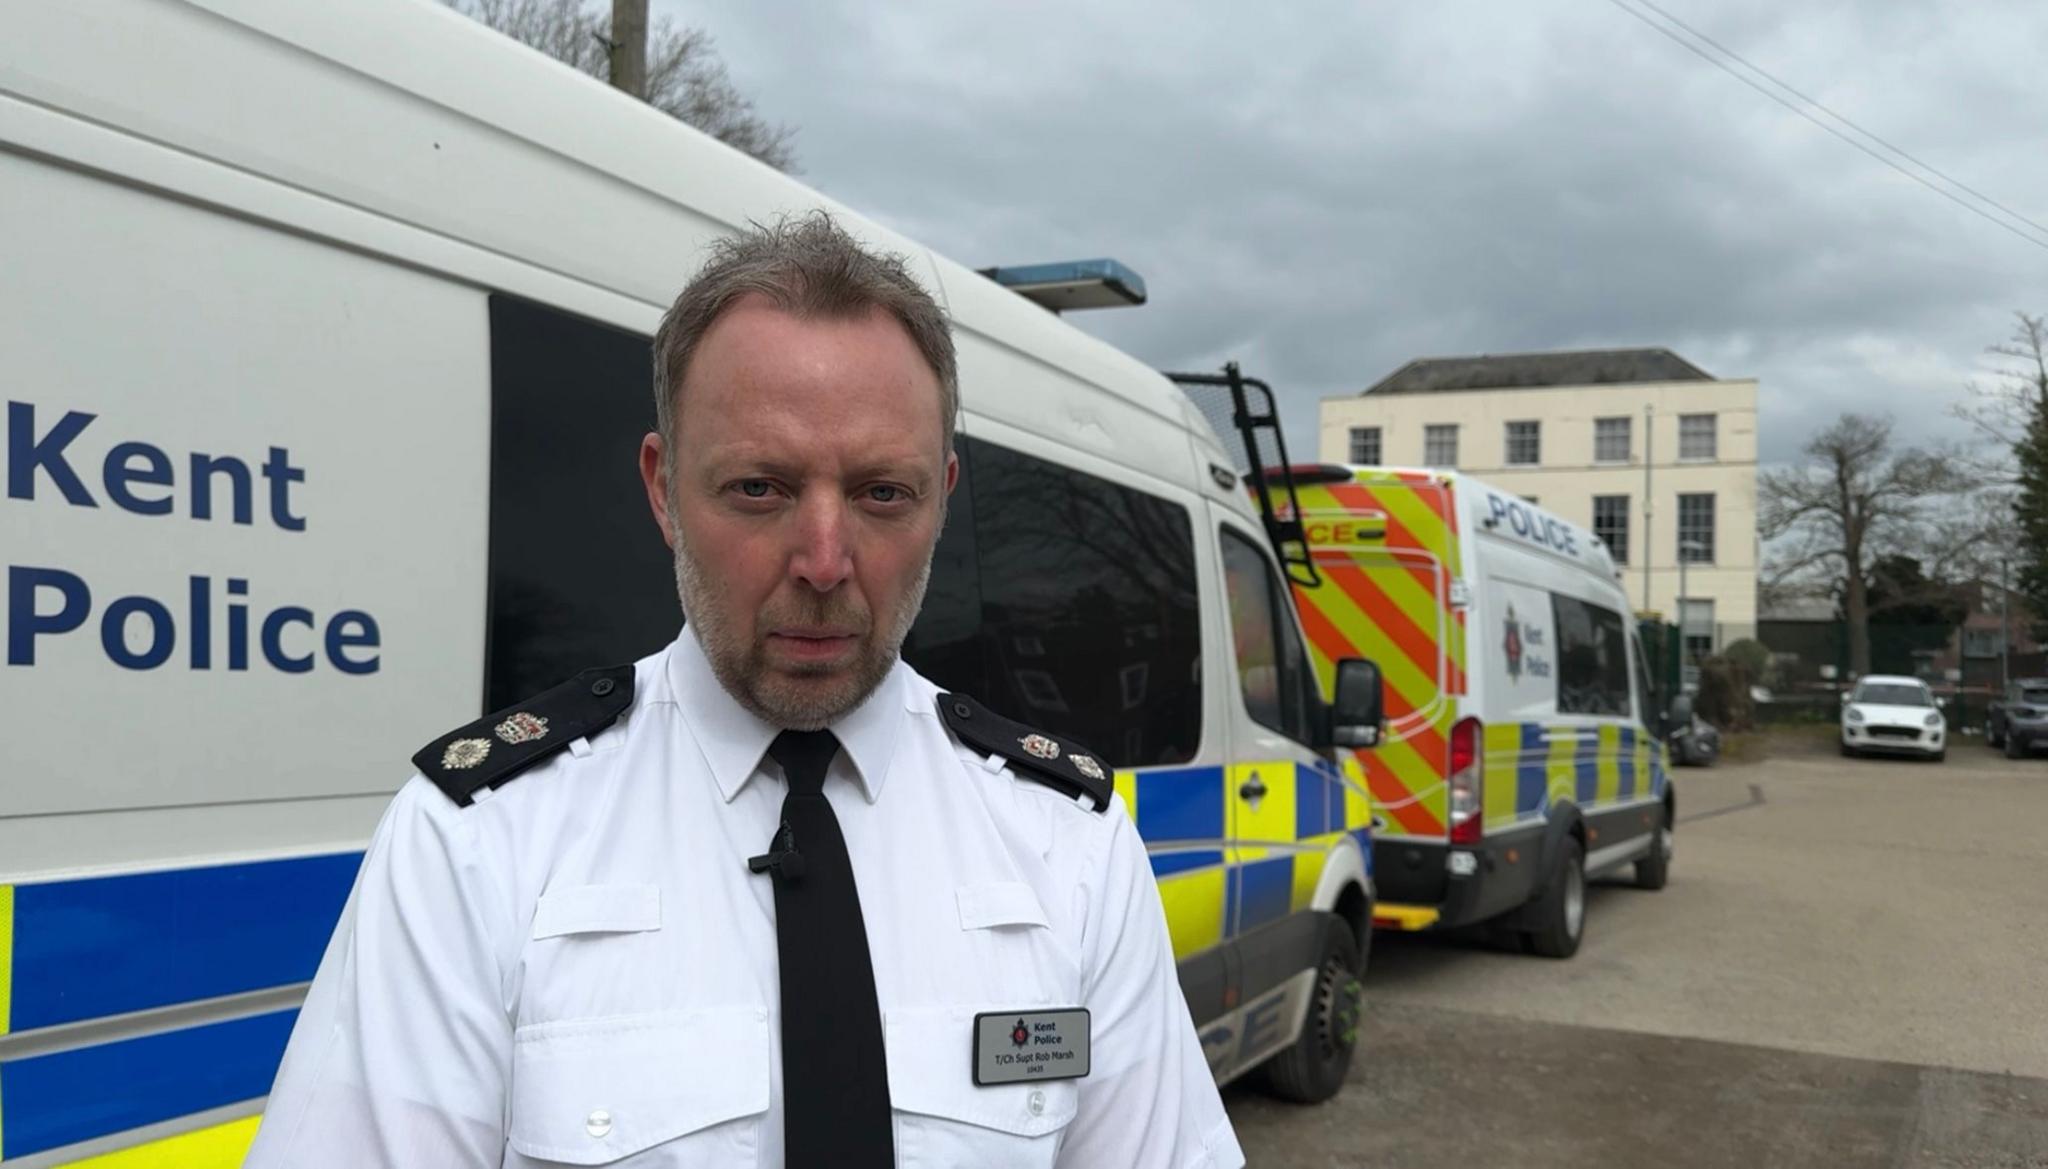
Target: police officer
(767,897)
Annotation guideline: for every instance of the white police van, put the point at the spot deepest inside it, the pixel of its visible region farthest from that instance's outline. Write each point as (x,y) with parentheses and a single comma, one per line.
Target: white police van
(324,349)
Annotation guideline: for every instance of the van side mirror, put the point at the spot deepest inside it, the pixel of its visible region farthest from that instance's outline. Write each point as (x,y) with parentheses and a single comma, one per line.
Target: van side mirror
(1357,717)
(1679,717)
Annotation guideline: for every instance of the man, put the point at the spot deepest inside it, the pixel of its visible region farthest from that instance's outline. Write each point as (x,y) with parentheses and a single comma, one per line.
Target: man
(766,897)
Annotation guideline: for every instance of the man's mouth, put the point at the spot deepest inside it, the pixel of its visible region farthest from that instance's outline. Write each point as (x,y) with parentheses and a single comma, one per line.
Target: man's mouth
(812,644)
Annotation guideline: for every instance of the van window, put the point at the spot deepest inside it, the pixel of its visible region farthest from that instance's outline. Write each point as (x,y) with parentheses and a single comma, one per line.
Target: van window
(1592,658)
(1646,710)
(579,575)
(1272,670)
(1068,603)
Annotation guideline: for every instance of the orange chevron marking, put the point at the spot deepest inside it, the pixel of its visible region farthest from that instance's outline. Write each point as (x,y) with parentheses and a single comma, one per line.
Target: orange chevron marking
(1393,621)
(1390,794)
(1399,535)
(1333,643)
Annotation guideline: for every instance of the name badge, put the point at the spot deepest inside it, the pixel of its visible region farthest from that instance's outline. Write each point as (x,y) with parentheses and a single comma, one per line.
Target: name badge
(1011,1047)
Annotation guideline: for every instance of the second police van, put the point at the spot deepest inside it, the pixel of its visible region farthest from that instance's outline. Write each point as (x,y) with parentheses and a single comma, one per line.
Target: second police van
(324,345)
(1521,755)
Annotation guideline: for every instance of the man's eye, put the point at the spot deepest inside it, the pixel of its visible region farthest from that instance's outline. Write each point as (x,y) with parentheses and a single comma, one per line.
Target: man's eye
(755,488)
(885,493)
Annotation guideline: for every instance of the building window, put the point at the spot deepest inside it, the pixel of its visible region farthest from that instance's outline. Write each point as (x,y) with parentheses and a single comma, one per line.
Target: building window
(1365,445)
(1525,444)
(1610,440)
(1982,643)
(1696,437)
(1696,528)
(1440,445)
(1610,523)
(1696,621)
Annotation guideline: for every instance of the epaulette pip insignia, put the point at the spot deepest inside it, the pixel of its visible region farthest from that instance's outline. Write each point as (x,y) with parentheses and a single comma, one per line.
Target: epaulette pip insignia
(1034,755)
(490,751)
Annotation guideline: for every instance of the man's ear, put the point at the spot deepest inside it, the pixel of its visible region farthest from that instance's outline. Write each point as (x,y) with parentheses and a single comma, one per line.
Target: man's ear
(952,471)
(655,479)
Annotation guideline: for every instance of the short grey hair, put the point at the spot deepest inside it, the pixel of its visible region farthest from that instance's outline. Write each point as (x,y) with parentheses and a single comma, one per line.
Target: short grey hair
(808,266)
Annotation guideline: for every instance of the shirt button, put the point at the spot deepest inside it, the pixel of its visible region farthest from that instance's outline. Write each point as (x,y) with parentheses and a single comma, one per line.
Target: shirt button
(598,1123)
(1036,1102)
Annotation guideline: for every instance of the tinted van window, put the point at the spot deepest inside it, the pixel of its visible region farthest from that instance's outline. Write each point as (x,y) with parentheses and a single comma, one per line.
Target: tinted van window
(1272,669)
(1592,658)
(579,575)
(1067,602)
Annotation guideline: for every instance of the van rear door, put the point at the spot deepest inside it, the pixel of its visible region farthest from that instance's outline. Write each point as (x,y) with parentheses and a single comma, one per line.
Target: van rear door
(1385,545)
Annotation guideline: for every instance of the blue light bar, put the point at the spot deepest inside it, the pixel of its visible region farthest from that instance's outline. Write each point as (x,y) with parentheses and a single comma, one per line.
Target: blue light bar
(1075,284)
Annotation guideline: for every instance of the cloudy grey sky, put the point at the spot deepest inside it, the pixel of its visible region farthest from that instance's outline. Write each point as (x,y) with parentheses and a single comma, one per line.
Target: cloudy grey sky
(1325,190)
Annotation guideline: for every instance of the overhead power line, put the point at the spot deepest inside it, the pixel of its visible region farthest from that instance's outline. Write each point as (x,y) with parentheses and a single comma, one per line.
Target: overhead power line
(2038,240)
(1816,103)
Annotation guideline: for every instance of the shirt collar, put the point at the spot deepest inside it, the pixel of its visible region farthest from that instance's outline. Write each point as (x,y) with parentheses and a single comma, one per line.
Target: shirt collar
(734,739)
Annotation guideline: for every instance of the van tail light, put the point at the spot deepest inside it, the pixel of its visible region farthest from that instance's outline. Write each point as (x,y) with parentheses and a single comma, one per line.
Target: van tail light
(1468,762)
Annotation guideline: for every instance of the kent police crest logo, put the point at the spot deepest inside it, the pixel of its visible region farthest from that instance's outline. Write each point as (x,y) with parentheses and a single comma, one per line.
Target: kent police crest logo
(1019,1035)
(1513,646)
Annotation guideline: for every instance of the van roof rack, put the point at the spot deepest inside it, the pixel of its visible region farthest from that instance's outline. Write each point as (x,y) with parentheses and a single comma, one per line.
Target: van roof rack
(1261,456)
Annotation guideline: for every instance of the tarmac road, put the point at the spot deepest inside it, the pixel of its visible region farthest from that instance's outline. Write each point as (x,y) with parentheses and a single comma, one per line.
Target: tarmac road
(1851,971)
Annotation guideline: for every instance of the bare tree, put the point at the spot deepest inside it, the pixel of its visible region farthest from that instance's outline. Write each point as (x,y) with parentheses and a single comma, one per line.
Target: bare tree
(682,75)
(2002,408)
(1855,499)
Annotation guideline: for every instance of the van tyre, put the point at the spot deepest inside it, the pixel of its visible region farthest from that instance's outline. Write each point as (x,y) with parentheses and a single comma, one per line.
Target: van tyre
(1560,911)
(1312,1070)
(1654,870)
(2014,748)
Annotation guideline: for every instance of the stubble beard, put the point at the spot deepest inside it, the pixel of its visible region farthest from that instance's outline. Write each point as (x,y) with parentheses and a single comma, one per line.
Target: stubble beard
(802,697)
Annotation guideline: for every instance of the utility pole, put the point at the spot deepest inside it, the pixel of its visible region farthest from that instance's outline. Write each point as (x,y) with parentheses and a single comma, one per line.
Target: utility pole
(629,47)
(2004,631)
(1649,549)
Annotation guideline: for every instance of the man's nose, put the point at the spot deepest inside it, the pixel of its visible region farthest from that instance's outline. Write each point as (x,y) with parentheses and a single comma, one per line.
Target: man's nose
(823,557)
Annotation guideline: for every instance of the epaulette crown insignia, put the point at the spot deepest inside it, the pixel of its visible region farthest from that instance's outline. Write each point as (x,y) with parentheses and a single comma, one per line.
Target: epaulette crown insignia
(492,750)
(1059,764)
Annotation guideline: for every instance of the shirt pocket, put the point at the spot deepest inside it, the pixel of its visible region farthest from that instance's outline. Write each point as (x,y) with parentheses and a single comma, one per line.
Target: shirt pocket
(944,1120)
(669,1090)
(597,909)
(999,904)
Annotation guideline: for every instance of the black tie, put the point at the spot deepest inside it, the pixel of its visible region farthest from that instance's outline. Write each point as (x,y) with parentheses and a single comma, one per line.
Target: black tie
(835,1079)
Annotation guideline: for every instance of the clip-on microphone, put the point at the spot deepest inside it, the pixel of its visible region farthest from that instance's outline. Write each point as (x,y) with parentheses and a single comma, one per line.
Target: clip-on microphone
(781,857)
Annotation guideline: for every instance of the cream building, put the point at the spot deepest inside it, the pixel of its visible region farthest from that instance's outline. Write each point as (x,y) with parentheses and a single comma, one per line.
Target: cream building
(1639,445)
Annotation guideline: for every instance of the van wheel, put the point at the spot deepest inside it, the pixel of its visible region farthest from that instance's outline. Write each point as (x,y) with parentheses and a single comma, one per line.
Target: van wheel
(1991,738)
(1561,909)
(1312,1070)
(2014,748)
(1654,870)
(1848,752)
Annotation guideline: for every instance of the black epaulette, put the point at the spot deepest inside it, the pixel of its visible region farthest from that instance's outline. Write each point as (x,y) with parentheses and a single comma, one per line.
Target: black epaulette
(1061,765)
(490,751)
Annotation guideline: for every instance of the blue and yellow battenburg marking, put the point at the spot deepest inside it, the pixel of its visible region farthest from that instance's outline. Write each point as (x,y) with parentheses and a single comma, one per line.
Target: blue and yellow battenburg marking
(222,1146)
(1530,766)
(79,950)
(1219,879)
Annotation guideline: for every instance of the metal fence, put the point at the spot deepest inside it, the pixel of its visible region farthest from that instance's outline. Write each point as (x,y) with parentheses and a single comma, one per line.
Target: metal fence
(1809,669)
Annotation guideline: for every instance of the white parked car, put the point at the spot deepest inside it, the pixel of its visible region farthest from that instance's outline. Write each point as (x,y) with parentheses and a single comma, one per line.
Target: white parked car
(1889,714)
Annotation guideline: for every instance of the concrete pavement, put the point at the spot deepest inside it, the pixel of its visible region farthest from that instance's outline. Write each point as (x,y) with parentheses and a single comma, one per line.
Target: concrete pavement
(1852,970)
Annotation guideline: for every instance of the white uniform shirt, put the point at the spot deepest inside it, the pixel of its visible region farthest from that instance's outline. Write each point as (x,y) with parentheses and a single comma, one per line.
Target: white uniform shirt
(581,969)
